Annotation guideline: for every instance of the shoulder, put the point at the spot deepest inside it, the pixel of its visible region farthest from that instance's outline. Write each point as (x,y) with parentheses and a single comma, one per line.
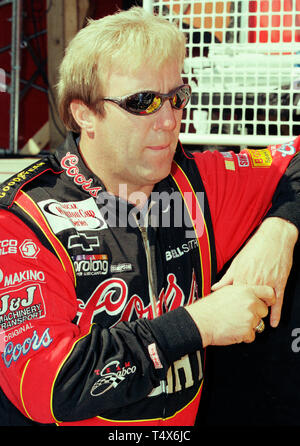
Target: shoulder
(199,161)
(10,187)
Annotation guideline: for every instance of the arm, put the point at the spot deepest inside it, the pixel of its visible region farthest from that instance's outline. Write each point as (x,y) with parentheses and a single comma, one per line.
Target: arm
(267,257)
(241,191)
(43,349)
(48,352)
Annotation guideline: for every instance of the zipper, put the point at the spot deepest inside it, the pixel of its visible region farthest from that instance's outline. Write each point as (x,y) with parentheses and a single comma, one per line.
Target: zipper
(153,301)
(151,288)
(153,298)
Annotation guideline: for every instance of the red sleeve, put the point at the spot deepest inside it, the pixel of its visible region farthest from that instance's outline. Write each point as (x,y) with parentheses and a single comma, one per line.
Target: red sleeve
(240,188)
(35,336)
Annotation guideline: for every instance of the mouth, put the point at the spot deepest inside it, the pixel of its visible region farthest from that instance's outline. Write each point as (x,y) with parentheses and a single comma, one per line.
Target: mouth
(158,148)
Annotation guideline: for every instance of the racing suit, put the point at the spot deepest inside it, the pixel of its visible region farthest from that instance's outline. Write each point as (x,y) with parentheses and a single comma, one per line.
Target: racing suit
(92,291)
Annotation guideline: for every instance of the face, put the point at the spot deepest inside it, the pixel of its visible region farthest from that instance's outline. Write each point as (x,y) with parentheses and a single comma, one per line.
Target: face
(135,150)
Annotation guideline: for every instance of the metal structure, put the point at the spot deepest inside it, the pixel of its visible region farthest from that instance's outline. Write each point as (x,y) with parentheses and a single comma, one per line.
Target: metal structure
(243,63)
(14,87)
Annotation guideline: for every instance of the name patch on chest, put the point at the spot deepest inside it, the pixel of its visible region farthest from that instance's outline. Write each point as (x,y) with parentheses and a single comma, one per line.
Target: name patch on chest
(81,215)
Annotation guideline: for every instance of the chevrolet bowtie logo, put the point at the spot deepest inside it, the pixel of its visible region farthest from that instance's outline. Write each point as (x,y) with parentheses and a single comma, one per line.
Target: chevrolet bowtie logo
(83,241)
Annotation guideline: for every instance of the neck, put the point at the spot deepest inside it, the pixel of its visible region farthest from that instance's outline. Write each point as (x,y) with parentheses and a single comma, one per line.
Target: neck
(135,194)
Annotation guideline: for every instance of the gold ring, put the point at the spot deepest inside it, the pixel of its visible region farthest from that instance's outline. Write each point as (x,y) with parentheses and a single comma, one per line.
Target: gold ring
(260,327)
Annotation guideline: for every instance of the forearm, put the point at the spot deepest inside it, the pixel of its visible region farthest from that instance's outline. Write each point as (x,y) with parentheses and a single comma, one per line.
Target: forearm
(146,348)
(266,259)
(277,227)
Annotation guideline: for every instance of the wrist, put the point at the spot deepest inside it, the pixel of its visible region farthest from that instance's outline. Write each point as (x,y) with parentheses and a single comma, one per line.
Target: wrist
(284,227)
(202,317)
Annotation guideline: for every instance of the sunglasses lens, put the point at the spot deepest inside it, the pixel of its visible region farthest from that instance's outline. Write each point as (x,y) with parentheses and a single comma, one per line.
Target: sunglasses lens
(148,102)
(143,103)
(181,97)
(154,105)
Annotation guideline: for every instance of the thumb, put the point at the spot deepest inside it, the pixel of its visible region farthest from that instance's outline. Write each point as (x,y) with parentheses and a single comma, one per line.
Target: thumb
(265,293)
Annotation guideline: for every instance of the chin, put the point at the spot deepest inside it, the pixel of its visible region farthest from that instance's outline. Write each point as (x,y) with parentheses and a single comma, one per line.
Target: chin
(159,174)
(159,168)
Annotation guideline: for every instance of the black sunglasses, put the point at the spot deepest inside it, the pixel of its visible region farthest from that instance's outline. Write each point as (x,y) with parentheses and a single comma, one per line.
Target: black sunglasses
(148,102)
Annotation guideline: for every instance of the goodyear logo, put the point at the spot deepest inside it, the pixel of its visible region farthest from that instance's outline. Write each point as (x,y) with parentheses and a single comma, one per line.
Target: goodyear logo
(260,158)
(19,178)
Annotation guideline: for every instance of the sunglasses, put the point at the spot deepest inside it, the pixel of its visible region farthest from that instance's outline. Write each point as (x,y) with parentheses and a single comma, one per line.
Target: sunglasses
(148,102)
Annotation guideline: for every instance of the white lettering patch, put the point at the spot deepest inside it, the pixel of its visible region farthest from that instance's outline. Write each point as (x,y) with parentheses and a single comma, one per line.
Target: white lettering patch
(20,306)
(81,215)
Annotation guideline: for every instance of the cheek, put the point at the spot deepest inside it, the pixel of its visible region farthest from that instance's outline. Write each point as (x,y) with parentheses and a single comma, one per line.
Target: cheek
(179,114)
(114,132)
(138,130)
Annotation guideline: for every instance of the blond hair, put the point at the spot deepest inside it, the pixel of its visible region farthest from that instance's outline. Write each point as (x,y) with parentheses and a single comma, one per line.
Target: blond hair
(126,39)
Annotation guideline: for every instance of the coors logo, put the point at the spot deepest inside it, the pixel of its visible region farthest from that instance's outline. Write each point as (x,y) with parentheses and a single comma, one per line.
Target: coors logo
(112,298)
(69,163)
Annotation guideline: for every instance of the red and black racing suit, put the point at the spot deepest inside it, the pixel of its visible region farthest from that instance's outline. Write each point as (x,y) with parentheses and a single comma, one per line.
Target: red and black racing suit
(93,329)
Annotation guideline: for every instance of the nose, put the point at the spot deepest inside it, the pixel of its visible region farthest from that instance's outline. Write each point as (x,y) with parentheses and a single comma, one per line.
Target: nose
(167,117)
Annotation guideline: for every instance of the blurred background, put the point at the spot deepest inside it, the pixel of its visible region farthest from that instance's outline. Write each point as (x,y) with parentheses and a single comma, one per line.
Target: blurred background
(243,63)
(33,35)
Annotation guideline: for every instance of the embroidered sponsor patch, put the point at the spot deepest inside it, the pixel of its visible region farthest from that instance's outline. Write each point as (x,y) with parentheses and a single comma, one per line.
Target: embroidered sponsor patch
(121,267)
(81,215)
(154,356)
(90,265)
(111,376)
(179,251)
(20,306)
(69,163)
(14,183)
(8,246)
(243,159)
(287,149)
(12,352)
(29,249)
(226,154)
(86,243)
(260,158)
(20,277)
(229,165)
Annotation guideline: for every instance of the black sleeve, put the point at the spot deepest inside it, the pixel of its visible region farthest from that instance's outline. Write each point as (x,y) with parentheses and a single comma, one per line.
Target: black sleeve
(286,200)
(174,335)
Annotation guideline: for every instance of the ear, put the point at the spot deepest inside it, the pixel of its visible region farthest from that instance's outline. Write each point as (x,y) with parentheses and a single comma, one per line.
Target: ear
(82,115)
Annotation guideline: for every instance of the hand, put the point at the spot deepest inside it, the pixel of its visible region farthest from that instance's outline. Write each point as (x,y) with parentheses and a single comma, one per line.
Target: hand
(265,260)
(230,315)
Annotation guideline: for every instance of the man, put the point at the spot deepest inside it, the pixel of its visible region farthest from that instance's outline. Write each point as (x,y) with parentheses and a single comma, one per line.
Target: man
(108,245)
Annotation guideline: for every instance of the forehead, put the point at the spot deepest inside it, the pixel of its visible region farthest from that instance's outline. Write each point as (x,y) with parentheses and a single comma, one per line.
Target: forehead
(148,77)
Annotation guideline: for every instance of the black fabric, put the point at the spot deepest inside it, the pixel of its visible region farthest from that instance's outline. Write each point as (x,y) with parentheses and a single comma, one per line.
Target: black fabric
(258,384)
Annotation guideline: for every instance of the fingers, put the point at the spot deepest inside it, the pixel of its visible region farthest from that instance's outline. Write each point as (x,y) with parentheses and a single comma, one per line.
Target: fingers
(226,280)
(231,314)
(250,338)
(261,310)
(265,297)
(265,293)
(276,309)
